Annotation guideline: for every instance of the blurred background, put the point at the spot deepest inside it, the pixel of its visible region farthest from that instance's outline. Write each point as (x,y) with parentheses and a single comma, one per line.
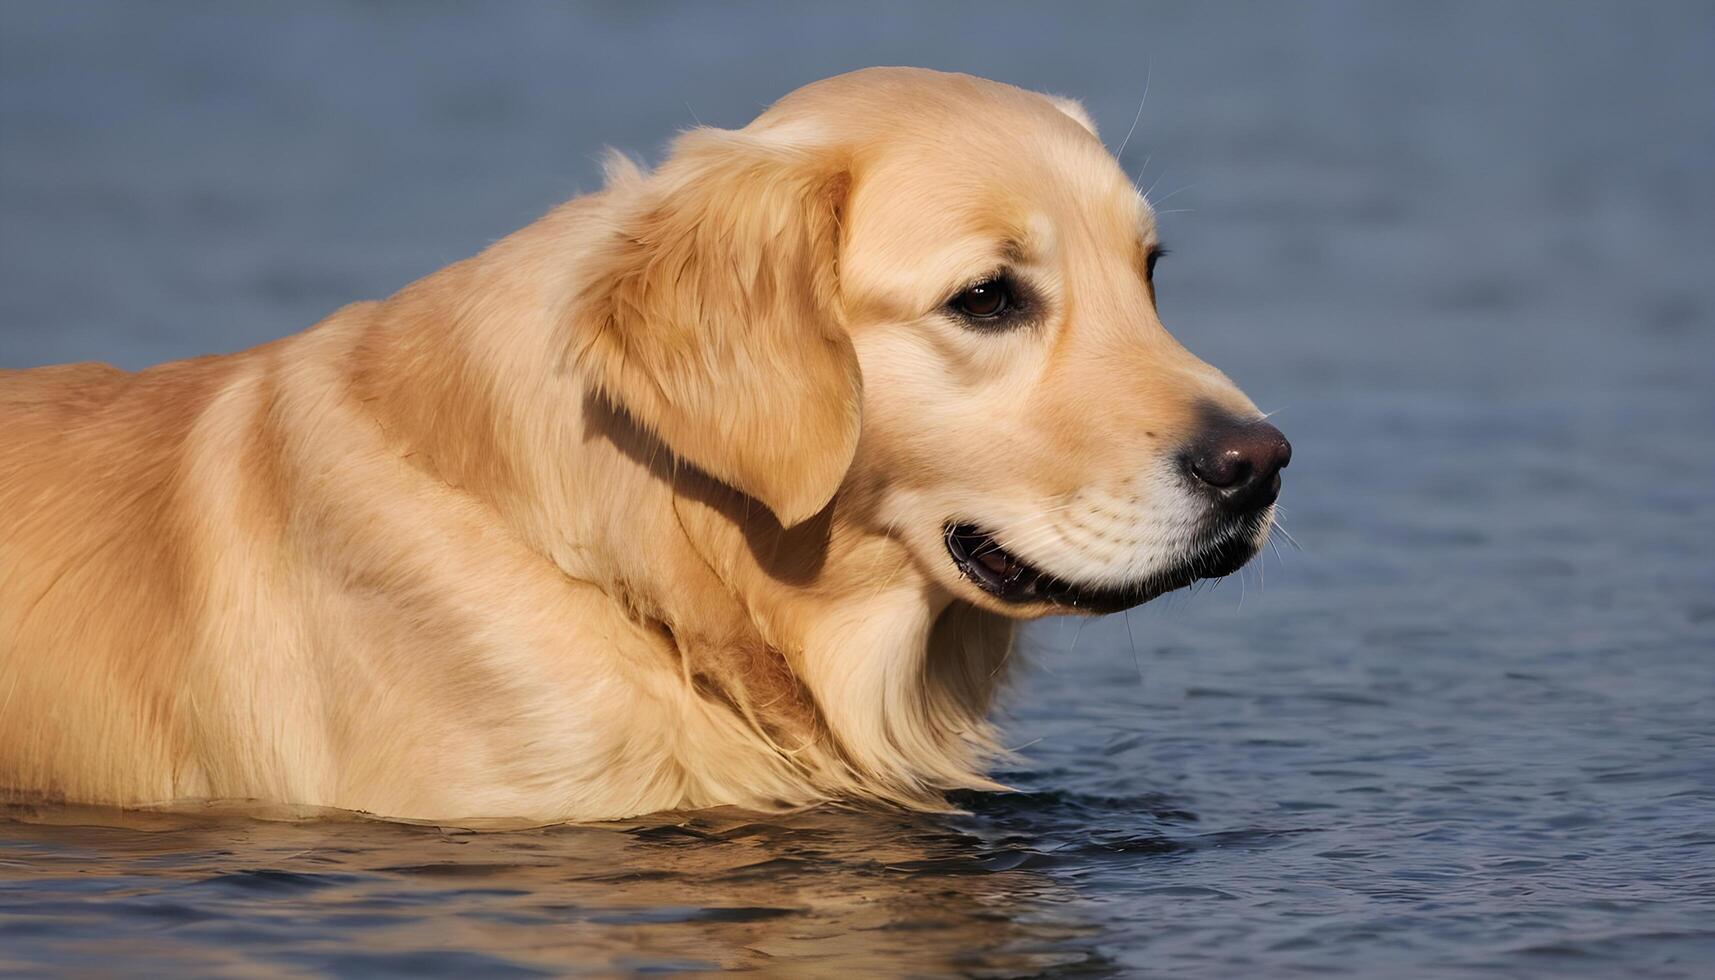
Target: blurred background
(1462,250)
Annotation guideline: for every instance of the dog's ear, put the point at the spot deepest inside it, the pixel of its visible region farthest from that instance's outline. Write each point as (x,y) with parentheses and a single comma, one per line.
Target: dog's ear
(1075,109)
(711,316)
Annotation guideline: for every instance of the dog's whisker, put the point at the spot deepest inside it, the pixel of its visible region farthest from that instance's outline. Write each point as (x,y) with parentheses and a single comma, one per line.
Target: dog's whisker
(1120,153)
(1136,661)
(1151,189)
(1286,534)
(1171,194)
(1070,649)
(1135,181)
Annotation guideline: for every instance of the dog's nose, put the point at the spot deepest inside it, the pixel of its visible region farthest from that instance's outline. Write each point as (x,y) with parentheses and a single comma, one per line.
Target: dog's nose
(1239,463)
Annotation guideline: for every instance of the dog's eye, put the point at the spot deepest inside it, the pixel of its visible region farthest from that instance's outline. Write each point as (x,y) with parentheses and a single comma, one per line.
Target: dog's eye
(1149,261)
(987,300)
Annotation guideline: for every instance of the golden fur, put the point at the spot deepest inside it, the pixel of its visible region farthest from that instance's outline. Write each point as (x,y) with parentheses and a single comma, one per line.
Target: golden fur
(641,508)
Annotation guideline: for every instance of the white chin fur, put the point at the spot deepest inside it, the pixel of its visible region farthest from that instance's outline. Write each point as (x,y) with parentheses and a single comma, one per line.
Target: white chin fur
(1102,537)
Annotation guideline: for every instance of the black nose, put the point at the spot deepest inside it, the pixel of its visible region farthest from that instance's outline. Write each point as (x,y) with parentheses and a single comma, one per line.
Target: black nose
(1237,462)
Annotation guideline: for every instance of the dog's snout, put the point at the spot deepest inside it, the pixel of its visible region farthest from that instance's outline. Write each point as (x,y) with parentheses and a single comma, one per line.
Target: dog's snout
(1239,462)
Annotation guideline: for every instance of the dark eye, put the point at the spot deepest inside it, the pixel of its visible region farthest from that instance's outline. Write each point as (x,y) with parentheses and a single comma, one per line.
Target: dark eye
(984,301)
(1149,261)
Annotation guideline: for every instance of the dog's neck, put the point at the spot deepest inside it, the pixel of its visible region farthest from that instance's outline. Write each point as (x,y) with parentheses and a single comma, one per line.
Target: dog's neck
(827,637)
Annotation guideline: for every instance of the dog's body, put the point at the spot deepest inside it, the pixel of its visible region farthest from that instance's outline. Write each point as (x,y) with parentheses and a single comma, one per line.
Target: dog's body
(654,504)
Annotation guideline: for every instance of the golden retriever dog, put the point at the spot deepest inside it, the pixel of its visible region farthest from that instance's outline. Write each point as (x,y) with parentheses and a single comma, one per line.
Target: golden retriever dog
(722,485)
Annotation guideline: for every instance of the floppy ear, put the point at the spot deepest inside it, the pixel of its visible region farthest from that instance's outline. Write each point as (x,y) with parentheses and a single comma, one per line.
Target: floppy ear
(711,316)
(1075,109)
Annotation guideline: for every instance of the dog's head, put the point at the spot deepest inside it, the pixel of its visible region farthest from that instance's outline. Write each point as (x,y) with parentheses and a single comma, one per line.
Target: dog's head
(932,295)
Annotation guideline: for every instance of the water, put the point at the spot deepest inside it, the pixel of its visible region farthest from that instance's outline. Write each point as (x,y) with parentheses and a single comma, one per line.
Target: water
(1469,727)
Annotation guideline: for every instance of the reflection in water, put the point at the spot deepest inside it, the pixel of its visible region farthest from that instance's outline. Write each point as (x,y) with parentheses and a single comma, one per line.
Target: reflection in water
(881,893)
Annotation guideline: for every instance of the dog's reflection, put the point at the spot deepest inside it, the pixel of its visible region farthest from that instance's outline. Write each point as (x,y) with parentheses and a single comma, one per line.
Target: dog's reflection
(814,892)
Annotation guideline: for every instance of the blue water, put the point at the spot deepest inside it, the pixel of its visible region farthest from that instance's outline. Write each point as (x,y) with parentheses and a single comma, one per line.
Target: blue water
(1466,726)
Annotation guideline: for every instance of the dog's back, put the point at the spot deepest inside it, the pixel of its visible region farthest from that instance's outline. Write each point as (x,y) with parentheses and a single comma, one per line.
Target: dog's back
(90,661)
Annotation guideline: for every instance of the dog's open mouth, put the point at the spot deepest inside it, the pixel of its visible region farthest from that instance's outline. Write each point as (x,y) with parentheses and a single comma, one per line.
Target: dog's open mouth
(1005,576)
